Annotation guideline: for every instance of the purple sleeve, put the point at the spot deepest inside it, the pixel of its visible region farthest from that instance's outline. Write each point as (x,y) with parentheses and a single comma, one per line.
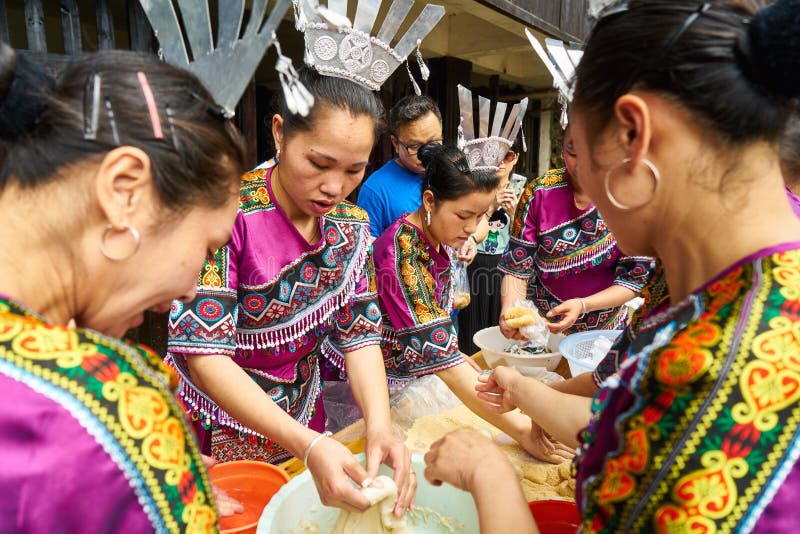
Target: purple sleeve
(423,329)
(54,476)
(207,324)
(359,323)
(633,272)
(518,259)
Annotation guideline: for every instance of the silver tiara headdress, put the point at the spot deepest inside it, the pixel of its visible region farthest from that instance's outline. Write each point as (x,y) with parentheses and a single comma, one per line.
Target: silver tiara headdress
(485,151)
(334,47)
(225,70)
(561,60)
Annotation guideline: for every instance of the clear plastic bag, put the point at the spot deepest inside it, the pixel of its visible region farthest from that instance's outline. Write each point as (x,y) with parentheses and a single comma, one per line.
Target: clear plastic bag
(341,409)
(537,334)
(427,395)
(461,292)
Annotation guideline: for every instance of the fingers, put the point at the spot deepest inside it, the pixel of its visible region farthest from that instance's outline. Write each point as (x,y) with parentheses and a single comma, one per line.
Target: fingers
(208,461)
(226,504)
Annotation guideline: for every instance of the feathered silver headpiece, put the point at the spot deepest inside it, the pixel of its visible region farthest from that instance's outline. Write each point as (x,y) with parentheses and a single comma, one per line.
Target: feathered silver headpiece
(561,60)
(335,47)
(225,70)
(485,151)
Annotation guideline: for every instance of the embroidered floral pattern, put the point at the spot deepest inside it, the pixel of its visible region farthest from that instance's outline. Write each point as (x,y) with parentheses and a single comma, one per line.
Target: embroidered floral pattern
(708,418)
(129,401)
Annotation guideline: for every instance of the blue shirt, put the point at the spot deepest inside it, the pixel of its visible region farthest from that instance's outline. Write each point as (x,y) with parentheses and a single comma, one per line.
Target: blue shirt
(388,193)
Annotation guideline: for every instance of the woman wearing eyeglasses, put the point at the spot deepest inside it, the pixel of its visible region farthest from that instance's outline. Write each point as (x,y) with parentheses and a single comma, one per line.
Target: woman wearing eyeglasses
(562,256)
(484,278)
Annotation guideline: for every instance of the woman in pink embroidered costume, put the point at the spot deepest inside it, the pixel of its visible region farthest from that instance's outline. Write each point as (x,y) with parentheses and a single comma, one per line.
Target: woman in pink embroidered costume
(106,212)
(564,258)
(294,283)
(697,430)
(413,273)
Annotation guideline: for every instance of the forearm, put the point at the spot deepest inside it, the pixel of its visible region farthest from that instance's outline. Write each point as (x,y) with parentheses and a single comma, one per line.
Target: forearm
(611,297)
(461,380)
(236,393)
(561,415)
(367,377)
(582,385)
(512,289)
(500,502)
(482,231)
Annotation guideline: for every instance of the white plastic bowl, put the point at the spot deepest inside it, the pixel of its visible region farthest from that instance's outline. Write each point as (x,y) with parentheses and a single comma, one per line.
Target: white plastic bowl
(576,349)
(297,503)
(492,343)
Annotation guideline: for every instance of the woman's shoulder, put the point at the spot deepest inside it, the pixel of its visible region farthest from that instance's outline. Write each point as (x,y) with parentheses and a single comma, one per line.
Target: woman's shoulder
(398,239)
(347,212)
(254,191)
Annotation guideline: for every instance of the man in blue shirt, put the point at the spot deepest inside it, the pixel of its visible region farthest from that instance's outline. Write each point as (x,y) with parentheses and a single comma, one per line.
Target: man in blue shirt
(396,188)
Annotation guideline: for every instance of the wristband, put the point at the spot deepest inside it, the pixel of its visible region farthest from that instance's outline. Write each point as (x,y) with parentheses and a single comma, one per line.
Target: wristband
(313,442)
(583,306)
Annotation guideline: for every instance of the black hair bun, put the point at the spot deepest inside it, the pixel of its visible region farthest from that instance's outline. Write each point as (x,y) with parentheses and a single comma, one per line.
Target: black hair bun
(773,54)
(428,152)
(25,99)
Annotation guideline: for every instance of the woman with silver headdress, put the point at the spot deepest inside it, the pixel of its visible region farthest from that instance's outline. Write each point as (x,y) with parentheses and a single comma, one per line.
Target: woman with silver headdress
(563,257)
(698,429)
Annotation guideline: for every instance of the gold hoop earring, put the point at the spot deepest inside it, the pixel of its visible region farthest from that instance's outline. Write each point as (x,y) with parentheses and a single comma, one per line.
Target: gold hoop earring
(137,241)
(428,217)
(616,203)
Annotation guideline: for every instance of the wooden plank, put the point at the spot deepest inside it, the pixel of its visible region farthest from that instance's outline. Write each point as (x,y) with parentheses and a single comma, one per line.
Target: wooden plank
(139,30)
(34,26)
(105,25)
(249,123)
(71,26)
(4,23)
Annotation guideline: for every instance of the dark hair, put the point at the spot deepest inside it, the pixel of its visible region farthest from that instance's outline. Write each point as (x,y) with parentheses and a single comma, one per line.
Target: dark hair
(200,152)
(790,151)
(336,92)
(21,84)
(732,72)
(447,173)
(410,108)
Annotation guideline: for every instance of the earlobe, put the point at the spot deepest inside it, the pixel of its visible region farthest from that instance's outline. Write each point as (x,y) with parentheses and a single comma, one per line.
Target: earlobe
(632,114)
(124,179)
(395,144)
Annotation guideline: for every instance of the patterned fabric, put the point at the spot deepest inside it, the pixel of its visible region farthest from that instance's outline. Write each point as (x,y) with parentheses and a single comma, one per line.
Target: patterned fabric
(272,301)
(414,288)
(656,299)
(565,252)
(700,433)
(500,224)
(124,405)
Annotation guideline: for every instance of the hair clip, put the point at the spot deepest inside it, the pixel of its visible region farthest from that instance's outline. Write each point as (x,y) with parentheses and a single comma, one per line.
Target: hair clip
(91,106)
(155,121)
(169,114)
(112,122)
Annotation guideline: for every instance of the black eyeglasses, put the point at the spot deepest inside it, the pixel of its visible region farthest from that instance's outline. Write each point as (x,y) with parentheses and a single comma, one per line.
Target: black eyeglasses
(412,150)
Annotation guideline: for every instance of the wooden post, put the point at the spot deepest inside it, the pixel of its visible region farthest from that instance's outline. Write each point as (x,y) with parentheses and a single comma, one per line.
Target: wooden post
(34,26)
(545,123)
(4,23)
(71,26)
(249,123)
(139,30)
(105,25)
